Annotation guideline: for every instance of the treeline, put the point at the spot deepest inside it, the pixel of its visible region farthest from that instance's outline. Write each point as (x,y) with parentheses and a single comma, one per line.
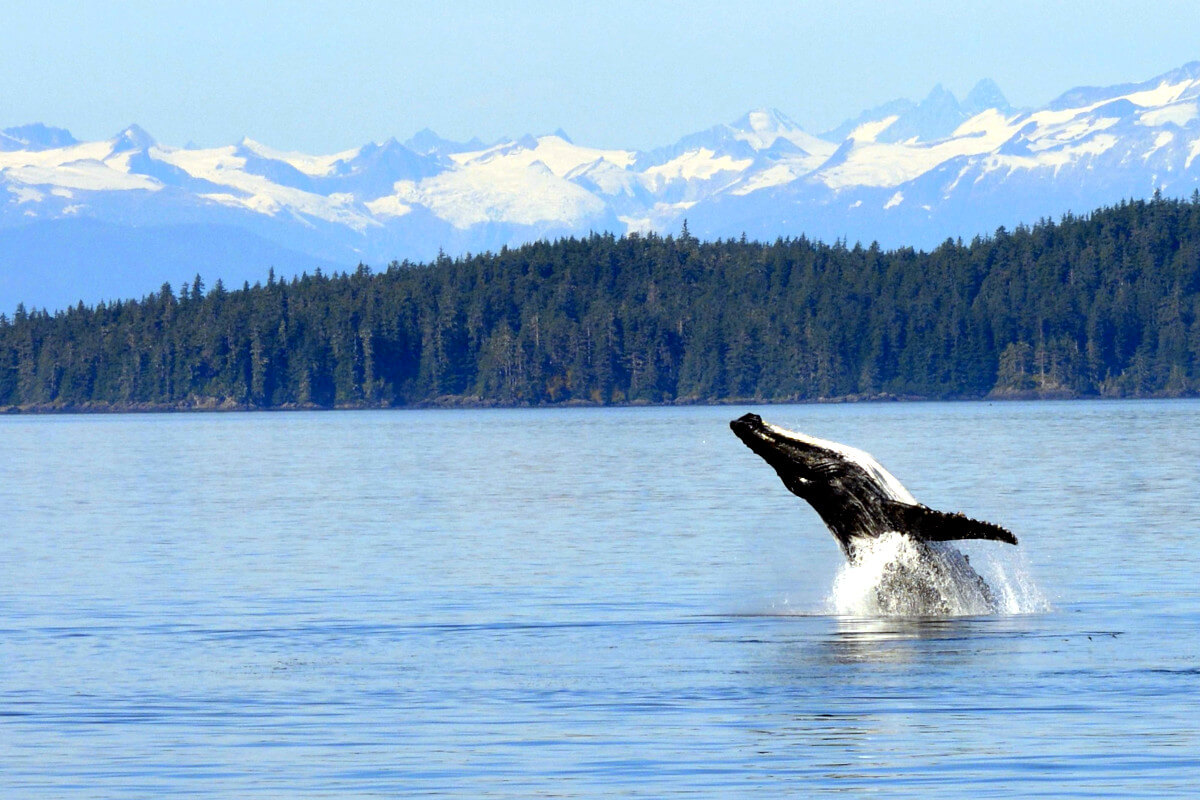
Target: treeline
(1101,305)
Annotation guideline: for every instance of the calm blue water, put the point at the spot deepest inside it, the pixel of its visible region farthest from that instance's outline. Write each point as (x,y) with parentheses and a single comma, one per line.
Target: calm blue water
(585,603)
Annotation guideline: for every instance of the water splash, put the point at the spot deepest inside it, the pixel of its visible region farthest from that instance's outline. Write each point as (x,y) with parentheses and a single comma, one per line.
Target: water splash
(1008,574)
(895,575)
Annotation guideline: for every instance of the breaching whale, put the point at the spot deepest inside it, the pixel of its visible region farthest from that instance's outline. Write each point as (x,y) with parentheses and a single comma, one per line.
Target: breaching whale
(859,501)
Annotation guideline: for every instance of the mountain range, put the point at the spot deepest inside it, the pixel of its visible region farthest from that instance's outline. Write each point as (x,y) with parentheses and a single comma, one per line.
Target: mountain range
(116,218)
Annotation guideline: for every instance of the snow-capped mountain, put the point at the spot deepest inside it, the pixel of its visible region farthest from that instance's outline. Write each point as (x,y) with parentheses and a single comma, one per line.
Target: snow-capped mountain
(114,218)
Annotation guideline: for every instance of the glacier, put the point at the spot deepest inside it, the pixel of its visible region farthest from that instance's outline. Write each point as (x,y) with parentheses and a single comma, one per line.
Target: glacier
(103,220)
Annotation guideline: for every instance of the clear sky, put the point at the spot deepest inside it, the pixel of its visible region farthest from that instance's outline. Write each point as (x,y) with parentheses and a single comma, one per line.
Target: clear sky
(326,76)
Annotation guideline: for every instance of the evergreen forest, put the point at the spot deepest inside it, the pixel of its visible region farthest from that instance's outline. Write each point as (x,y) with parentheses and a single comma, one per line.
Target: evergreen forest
(1101,305)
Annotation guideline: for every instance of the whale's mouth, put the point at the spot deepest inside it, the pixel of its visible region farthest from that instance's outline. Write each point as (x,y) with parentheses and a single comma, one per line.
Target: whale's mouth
(751,429)
(778,447)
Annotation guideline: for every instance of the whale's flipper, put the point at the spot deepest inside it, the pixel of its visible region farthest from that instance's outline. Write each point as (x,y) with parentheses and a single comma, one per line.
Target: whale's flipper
(926,523)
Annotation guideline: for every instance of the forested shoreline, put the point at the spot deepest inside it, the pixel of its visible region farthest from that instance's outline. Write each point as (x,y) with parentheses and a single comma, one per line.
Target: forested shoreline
(1102,305)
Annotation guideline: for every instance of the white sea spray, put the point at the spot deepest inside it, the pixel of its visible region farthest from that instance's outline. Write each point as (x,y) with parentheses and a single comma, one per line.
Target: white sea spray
(895,575)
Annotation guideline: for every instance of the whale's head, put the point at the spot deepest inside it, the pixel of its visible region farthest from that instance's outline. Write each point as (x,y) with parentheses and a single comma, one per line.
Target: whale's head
(797,459)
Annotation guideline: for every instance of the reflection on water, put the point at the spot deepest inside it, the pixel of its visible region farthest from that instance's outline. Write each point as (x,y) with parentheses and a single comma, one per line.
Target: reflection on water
(904,640)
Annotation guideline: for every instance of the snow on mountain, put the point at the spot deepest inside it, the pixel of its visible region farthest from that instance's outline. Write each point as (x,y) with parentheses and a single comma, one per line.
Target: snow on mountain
(246,189)
(762,149)
(867,161)
(935,117)
(85,166)
(764,127)
(313,166)
(131,139)
(905,172)
(523,182)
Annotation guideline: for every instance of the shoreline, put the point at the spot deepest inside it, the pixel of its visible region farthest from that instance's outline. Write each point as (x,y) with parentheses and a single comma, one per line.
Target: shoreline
(226,405)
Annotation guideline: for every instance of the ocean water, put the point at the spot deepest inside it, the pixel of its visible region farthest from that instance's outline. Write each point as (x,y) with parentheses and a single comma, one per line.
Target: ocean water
(588,603)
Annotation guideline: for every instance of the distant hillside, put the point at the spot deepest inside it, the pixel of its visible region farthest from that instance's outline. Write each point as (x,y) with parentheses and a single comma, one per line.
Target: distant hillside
(905,173)
(1103,305)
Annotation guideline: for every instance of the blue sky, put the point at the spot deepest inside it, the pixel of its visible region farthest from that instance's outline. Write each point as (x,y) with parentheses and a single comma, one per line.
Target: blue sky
(323,77)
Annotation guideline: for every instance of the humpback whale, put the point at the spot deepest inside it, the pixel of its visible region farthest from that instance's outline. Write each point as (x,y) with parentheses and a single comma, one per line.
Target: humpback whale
(860,502)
